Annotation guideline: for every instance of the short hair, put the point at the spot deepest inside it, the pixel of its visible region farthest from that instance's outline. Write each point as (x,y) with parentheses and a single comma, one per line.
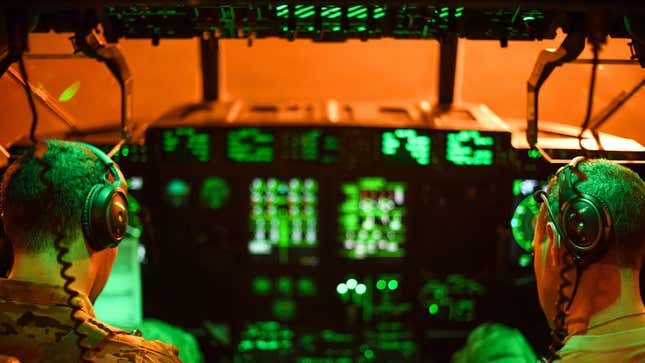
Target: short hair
(74,170)
(623,193)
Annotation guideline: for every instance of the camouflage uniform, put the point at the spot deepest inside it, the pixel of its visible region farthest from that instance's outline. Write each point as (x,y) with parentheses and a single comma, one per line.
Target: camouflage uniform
(35,326)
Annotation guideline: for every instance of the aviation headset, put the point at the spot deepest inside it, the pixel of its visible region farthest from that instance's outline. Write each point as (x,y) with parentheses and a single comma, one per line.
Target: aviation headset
(583,224)
(104,217)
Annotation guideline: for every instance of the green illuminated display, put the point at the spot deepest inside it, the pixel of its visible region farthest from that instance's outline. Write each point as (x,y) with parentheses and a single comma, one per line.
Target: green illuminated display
(357,11)
(283,217)
(304,11)
(331,12)
(470,148)
(266,336)
(311,145)
(132,153)
(186,144)
(452,299)
(177,193)
(371,219)
(405,146)
(301,11)
(282,292)
(214,192)
(523,220)
(250,145)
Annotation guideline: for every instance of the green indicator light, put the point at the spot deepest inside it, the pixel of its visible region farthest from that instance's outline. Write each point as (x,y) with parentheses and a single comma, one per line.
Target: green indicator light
(361,28)
(283,309)
(534,154)
(262,286)
(468,147)
(381,284)
(311,28)
(372,183)
(285,28)
(524,260)
(331,12)
(341,289)
(336,28)
(351,284)
(361,289)
(359,12)
(517,187)
(177,193)
(379,12)
(393,285)
(528,18)
(282,11)
(125,151)
(304,11)
(214,193)
(369,354)
(285,286)
(433,309)
(306,287)
(443,15)
(69,92)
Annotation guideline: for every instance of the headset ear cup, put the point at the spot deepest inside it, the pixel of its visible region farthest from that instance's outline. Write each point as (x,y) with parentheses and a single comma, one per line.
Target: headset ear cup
(105,216)
(86,218)
(587,227)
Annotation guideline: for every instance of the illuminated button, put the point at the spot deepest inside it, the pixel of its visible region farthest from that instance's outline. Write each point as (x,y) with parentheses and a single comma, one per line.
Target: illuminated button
(351,284)
(433,309)
(381,284)
(341,288)
(361,289)
(393,284)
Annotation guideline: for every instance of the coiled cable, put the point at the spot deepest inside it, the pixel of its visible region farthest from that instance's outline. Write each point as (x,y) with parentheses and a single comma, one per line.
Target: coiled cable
(62,250)
(40,149)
